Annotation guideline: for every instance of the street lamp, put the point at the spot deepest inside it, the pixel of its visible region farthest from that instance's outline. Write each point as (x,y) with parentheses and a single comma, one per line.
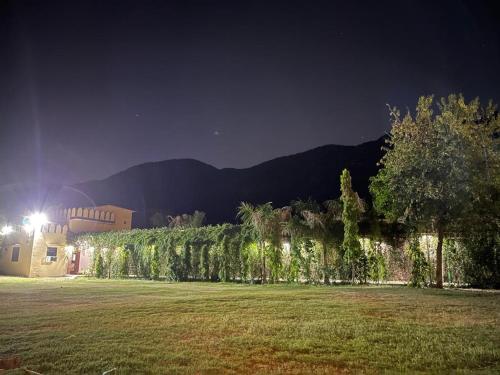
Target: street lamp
(35,221)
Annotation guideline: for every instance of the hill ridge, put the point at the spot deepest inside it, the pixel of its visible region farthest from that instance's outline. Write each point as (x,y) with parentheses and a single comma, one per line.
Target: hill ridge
(177,186)
(329,145)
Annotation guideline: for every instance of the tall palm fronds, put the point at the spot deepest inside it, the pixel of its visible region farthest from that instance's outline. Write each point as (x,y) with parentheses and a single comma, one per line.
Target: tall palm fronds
(319,222)
(264,220)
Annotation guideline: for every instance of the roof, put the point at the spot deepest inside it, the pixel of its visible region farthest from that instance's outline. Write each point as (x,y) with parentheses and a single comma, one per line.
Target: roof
(104,206)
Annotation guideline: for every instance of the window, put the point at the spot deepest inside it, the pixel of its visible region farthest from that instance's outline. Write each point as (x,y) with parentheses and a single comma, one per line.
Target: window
(15,254)
(51,254)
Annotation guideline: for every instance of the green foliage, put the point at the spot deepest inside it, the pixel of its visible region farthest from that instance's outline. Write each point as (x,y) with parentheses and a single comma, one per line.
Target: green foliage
(351,211)
(376,264)
(225,270)
(295,261)
(481,250)
(124,262)
(420,266)
(441,163)
(254,251)
(205,262)
(310,265)
(265,224)
(172,268)
(215,263)
(252,266)
(99,265)
(155,263)
(195,260)
(305,242)
(186,262)
(455,260)
(319,223)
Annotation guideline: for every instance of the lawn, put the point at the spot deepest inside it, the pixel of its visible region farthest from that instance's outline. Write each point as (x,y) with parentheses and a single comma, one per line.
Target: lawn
(63,326)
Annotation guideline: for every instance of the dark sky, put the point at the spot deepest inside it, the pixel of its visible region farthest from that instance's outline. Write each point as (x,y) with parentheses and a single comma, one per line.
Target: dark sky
(88,88)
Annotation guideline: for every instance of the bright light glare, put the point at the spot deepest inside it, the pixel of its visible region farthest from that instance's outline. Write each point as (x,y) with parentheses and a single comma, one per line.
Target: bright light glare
(28,228)
(35,222)
(38,219)
(6,229)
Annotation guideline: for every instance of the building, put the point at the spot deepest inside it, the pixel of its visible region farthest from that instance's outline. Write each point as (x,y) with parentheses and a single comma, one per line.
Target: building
(41,247)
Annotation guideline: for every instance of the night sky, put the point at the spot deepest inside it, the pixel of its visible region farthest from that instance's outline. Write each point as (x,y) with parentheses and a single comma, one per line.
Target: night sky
(89,88)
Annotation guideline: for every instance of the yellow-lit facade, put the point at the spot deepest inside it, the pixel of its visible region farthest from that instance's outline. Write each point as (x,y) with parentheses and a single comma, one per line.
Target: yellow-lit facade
(45,252)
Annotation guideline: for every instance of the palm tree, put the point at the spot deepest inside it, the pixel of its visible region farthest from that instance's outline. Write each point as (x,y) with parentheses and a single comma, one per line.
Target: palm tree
(319,221)
(276,221)
(262,219)
(295,231)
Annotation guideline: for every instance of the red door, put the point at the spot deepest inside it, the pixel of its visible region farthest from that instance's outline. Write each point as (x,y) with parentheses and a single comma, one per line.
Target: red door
(74,264)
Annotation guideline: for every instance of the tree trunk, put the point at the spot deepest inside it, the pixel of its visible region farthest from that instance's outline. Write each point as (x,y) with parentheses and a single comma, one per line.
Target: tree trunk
(326,279)
(439,258)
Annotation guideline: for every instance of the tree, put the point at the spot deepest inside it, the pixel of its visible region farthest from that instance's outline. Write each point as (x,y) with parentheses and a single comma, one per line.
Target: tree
(320,223)
(264,221)
(99,265)
(172,261)
(440,163)
(124,262)
(377,270)
(419,265)
(352,207)
(294,229)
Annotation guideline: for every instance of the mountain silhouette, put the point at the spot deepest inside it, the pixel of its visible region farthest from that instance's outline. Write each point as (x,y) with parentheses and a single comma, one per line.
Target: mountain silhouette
(184,185)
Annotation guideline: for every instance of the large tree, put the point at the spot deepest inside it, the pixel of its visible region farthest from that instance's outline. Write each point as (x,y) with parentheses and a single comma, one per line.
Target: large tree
(439,162)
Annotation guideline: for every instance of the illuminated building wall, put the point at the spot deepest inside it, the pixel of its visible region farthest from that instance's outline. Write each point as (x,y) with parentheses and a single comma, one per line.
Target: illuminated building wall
(43,251)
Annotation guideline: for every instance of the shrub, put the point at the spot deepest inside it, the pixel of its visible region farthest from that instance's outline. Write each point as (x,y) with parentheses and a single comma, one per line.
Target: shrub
(99,265)
(420,267)
(124,262)
(155,263)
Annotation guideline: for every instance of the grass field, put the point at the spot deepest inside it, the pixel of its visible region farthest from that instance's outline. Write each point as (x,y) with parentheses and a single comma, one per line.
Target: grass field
(62,326)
